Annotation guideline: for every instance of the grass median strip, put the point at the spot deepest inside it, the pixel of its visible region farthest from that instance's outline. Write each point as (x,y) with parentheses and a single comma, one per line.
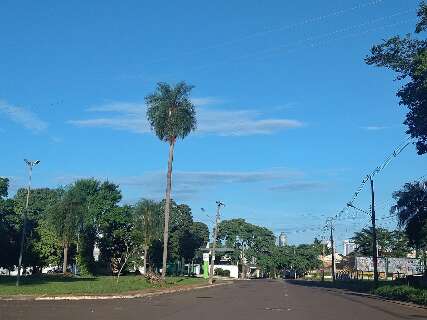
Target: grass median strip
(389,290)
(51,285)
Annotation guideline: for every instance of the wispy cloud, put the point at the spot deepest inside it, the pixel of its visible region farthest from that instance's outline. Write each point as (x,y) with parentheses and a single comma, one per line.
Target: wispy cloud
(241,123)
(205,101)
(297,186)
(120,116)
(188,183)
(131,117)
(23,117)
(374,128)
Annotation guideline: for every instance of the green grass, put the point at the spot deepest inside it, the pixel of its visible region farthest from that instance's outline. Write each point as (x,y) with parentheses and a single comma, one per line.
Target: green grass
(60,285)
(386,289)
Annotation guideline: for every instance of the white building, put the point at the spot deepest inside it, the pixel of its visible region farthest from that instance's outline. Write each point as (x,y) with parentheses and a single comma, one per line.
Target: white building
(283,239)
(349,247)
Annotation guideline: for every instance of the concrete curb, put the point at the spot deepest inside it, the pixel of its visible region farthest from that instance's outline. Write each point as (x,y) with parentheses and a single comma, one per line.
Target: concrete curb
(111,297)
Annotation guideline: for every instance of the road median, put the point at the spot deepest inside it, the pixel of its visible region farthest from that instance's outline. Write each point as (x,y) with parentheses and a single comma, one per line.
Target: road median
(106,290)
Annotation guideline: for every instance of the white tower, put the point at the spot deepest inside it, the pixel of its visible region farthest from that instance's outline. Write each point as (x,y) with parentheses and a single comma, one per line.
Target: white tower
(283,239)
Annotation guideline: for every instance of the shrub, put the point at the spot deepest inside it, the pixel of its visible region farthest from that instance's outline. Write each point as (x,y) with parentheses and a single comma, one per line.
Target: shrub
(403,293)
(222,273)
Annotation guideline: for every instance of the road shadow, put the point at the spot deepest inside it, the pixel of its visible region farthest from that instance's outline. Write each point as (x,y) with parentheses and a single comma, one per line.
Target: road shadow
(41,279)
(364,286)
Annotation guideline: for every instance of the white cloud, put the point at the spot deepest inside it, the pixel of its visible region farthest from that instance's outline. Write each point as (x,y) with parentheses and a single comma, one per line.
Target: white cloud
(131,117)
(22,116)
(126,116)
(241,123)
(205,101)
(374,128)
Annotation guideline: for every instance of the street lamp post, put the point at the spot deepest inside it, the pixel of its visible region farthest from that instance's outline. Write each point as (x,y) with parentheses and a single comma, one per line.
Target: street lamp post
(30,165)
(219,205)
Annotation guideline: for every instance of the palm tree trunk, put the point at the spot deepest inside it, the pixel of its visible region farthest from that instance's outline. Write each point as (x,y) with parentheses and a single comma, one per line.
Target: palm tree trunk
(167,208)
(64,265)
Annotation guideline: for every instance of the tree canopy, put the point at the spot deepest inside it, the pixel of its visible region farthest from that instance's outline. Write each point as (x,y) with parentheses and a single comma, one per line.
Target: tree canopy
(411,210)
(170,112)
(390,243)
(407,56)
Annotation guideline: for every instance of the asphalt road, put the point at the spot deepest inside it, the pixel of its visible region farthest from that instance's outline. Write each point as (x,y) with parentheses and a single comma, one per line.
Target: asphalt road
(255,299)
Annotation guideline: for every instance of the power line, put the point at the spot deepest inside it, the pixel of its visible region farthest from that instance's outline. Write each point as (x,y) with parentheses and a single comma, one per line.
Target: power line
(268,52)
(304,22)
(397,151)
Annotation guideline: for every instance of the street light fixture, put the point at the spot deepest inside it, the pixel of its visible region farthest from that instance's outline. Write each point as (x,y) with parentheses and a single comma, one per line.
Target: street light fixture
(219,204)
(30,164)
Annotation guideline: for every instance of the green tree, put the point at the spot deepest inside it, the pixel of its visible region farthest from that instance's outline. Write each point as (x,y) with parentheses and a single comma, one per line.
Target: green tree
(390,243)
(40,200)
(181,221)
(411,210)
(171,115)
(116,242)
(301,259)
(65,217)
(199,238)
(4,187)
(99,199)
(148,225)
(250,242)
(8,228)
(407,56)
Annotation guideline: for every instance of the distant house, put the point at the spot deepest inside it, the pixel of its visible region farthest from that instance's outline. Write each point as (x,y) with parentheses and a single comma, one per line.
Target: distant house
(225,261)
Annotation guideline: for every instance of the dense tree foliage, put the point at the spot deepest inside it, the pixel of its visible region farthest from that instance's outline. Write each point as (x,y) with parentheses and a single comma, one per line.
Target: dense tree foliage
(40,200)
(8,228)
(407,56)
(390,243)
(148,225)
(411,210)
(65,224)
(250,242)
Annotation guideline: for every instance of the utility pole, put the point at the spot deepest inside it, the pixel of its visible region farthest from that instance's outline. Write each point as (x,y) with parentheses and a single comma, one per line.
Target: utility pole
(374,229)
(218,216)
(374,232)
(323,260)
(331,226)
(30,165)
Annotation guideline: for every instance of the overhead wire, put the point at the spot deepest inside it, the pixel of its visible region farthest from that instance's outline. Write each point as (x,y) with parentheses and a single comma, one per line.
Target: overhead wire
(261,33)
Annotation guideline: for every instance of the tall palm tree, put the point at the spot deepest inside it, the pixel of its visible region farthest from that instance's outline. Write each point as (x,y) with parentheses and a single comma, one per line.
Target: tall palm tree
(171,115)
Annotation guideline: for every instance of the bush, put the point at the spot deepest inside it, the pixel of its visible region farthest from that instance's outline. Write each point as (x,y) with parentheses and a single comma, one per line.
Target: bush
(403,293)
(222,273)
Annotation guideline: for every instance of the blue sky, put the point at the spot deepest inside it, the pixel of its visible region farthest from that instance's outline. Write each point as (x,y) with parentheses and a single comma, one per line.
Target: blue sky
(290,116)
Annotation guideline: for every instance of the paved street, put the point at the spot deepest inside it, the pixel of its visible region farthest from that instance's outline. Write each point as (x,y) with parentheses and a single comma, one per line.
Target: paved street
(257,299)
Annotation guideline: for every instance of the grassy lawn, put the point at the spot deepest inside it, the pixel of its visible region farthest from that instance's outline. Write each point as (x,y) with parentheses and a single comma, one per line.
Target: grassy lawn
(59,285)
